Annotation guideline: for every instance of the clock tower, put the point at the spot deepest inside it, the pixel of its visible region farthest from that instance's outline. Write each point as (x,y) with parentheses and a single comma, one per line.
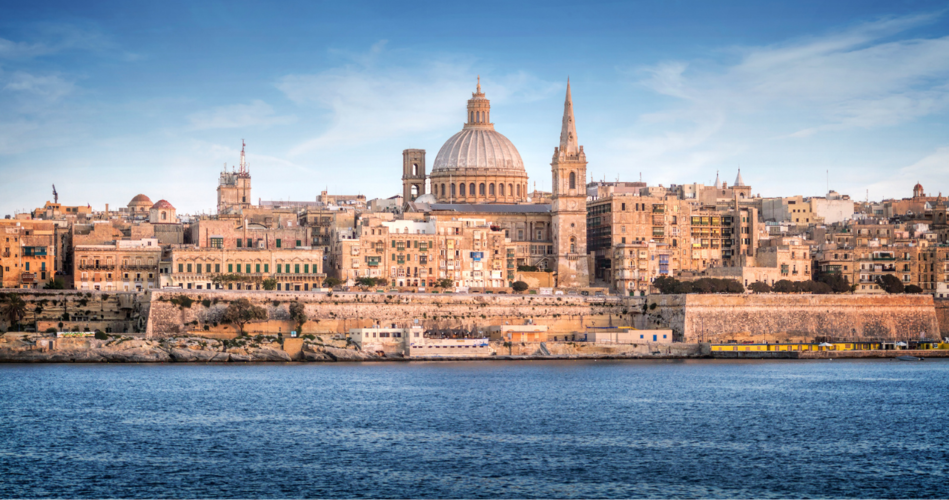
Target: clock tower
(569,204)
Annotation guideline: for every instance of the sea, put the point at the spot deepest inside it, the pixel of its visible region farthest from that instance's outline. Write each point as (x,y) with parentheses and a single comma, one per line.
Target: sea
(490,429)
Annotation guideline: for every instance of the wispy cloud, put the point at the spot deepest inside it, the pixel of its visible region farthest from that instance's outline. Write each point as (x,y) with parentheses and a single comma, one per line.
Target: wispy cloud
(53,38)
(49,87)
(369,99)
(256,114)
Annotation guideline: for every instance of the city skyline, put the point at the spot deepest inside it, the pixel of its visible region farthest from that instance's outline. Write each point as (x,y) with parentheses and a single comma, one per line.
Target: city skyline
(107,109)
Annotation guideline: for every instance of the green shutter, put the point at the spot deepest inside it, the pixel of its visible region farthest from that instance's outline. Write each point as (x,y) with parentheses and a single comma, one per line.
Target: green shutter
(189,267)
(279,267)
(278,242)
(257,268)
(247,267)
(181,268)
(266,268)
(393,243)
(230,268)
(296,268)
(217,268)
(306,269)
(240,243)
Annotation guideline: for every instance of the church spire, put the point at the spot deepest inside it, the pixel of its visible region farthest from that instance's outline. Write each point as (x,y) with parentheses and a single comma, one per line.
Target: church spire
(568,134)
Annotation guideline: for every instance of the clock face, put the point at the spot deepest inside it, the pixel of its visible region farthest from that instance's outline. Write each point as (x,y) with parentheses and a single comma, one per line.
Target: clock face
(572,205)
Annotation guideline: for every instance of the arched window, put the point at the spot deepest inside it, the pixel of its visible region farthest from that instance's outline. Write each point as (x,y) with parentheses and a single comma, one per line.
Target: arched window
(414,190)
(491,189)
(510,189)
(471,191)
(452,190)
(518,190)
(415,169)
(461,189)
(573,180)
(443,190)
(573,245)
(481,189)
(472,117)
(501,189)
(164,215)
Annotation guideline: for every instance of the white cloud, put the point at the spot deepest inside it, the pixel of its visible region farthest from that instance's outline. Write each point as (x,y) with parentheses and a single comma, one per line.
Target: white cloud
(371,99)
(49,87)
(256,114)
(932,171)
(53,38)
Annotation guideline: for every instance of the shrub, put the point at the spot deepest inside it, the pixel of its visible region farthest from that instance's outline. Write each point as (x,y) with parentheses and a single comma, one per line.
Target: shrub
(759,287)
(100,335)
(890,283)
(912,289)
(206,303)
(519,286)
(182,301)
(51,330)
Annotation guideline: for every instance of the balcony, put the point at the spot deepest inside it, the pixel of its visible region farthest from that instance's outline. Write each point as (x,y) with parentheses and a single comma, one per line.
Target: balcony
(28,278)
(884,257)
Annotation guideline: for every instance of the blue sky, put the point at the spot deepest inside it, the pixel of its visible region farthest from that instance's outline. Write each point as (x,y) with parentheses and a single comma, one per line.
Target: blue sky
(111,99)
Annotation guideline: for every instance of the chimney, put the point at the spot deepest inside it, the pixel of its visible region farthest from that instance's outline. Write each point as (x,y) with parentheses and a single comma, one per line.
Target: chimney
(107,208)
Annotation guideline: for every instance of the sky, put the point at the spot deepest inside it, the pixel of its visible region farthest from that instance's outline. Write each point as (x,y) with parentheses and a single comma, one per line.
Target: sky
(107,100)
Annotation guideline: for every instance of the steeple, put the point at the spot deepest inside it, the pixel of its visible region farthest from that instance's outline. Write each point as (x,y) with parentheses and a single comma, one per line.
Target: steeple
(718,183)
(568,133)
(738,180)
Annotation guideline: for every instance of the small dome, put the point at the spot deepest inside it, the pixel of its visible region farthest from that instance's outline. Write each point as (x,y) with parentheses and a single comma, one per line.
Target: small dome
(426,199)
(918,187)
(140,199)
(163,204)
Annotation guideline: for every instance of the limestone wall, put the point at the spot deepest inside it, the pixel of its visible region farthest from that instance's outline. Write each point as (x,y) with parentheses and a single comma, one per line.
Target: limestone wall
(337,313)
(942,315)
(712,318)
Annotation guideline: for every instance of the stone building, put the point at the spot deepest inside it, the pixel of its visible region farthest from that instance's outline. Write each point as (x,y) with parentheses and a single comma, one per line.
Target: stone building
(478,174)
(189,267)
(123,265)
(28,257)
(769,265)
(636,265)
(139,206)
(233,190)
(235,232)
(407,253)
(162,213)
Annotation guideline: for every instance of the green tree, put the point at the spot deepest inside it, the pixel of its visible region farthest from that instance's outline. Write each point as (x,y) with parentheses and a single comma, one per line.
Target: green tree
(527,269)
(784,286)
(367,282)
(331,282)
(837,283)
(890,283)
(519,286)
(269,284)
(759,287)
(444,283)
(665,284)
(298,314)
(912,289)
(14,309)
(55,284)
(683,287)
(240,312)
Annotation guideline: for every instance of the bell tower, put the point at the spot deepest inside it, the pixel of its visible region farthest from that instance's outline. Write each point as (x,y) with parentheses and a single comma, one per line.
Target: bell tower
(413,174)
(569,203)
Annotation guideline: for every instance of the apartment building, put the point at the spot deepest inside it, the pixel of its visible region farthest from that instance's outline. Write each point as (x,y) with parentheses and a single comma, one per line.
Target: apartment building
(123,265)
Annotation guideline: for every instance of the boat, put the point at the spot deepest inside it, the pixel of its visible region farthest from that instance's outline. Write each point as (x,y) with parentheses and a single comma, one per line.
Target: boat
(908,358)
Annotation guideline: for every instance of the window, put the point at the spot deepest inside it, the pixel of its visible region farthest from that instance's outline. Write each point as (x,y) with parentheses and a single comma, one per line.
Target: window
(481,189)
(471,191)
(573,180)
(257,268)
(279,268)
(247,268)
(217,268)
(491,189)
(306,269)
(230,268)
(240,243)
(278,242)
(453,190)
(27,266)
(207,268)
(250,243)
(461,189)
(296,268)
(501,189)
(298,243)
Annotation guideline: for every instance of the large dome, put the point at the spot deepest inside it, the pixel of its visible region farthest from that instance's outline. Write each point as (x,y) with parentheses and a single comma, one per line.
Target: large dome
(478,147)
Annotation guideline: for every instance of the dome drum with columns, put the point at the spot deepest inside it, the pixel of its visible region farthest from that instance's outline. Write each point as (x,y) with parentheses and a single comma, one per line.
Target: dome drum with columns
(478,164)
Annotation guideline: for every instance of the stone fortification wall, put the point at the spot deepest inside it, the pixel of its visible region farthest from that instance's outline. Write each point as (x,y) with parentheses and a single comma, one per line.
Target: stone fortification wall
(942,315)
(714,318)
(337,313)
(75,310)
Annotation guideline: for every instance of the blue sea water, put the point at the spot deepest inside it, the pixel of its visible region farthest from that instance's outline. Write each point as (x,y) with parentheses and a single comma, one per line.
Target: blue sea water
(604,429)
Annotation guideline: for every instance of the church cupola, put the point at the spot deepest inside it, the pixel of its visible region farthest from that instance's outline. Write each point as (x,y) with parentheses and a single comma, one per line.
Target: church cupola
(479,110)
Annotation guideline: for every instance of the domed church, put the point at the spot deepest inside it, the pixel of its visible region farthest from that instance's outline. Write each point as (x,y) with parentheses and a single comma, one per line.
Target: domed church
(479,172)
(479,164)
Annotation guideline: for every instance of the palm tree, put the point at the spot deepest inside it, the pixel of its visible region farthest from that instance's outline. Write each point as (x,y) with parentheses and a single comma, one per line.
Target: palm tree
(14,310)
